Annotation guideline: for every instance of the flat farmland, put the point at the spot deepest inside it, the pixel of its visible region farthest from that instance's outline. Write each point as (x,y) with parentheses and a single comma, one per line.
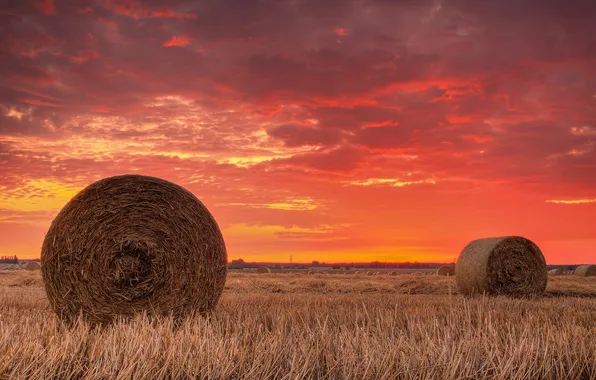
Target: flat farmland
(321,326)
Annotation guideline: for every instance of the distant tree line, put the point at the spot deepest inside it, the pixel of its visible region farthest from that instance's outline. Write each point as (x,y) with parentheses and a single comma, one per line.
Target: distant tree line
(9,259)
(241,264)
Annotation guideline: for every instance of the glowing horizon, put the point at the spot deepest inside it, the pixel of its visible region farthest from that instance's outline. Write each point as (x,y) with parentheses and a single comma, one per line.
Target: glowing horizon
(329,131)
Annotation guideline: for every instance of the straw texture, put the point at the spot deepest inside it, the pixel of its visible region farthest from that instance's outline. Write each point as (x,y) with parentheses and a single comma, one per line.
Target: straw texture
(133,243)
(32,265)
(446,270)
(508,265)
(585,271)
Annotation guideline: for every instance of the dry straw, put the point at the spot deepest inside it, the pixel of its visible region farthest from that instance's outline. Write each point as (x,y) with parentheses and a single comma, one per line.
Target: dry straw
(131,243)
(508,265)
(263,270)
(32,265)
(585,271)
(556,272)
(446,270)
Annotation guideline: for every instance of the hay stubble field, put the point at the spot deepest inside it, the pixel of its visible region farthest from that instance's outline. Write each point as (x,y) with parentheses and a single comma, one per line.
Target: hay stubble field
(292,325)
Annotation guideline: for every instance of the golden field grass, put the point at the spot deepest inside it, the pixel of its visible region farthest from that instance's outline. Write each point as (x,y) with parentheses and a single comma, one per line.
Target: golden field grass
(295,326)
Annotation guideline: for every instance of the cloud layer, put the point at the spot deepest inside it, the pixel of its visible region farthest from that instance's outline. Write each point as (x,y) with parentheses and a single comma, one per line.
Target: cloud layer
(357,130)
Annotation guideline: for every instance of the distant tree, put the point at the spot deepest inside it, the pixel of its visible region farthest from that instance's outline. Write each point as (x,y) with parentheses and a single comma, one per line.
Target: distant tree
(237,264)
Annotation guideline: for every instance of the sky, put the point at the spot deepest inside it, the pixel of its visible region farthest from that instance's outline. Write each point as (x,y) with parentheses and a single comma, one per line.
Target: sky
(371,130)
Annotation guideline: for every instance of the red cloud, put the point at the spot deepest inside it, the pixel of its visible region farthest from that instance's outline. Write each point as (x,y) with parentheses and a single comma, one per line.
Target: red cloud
(47,7)
(179,41)
(341,32)
(137,10)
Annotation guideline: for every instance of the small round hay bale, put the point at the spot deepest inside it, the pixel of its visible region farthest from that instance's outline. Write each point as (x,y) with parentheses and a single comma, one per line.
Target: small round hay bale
(32,265)
(369,273)
(507,265)
(357,272)
(585,271)
(556,272)
(393,273)
(263,270)
(131,243)
(446,270)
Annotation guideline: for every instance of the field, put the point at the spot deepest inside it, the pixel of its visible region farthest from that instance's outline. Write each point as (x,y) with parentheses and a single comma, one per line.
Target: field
(292,325)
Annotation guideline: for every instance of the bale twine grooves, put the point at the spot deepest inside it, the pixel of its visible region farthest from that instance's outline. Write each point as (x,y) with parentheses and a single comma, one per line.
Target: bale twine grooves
(130,244)
(585,271)
(508,265)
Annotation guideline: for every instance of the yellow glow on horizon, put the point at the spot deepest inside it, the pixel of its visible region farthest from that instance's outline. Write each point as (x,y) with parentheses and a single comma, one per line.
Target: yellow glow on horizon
(572,201)
(293,204)
(389,181)
(53,195)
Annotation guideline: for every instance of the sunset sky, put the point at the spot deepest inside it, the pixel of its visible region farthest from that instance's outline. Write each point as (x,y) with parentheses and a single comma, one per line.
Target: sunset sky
(327,130)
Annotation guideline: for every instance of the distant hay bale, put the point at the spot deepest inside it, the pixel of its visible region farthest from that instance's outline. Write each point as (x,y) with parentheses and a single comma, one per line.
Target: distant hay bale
(507,265)
(263,270)
(369,273)
(357,272)
(393,273)
(556,272)
(446,270)
(32,265)
(585,271)
(129,244)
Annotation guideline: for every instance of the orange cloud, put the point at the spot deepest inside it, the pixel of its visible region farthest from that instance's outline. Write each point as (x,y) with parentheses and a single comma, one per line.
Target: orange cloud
(179,41)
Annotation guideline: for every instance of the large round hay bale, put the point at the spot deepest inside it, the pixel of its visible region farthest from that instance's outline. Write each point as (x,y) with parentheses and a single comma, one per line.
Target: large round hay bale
(556,272)
(446,270)
(263,270)
(132,243)
(508,265)
(32,265)
(585,271)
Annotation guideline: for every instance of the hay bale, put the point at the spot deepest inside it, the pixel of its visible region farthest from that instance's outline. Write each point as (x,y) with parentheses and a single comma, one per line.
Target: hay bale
(132,243)
(508,265)
(393,273)
(556,272)
(369,273)
(585,270)
(32,265)
(357,272)
(263,270)
(446,270)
